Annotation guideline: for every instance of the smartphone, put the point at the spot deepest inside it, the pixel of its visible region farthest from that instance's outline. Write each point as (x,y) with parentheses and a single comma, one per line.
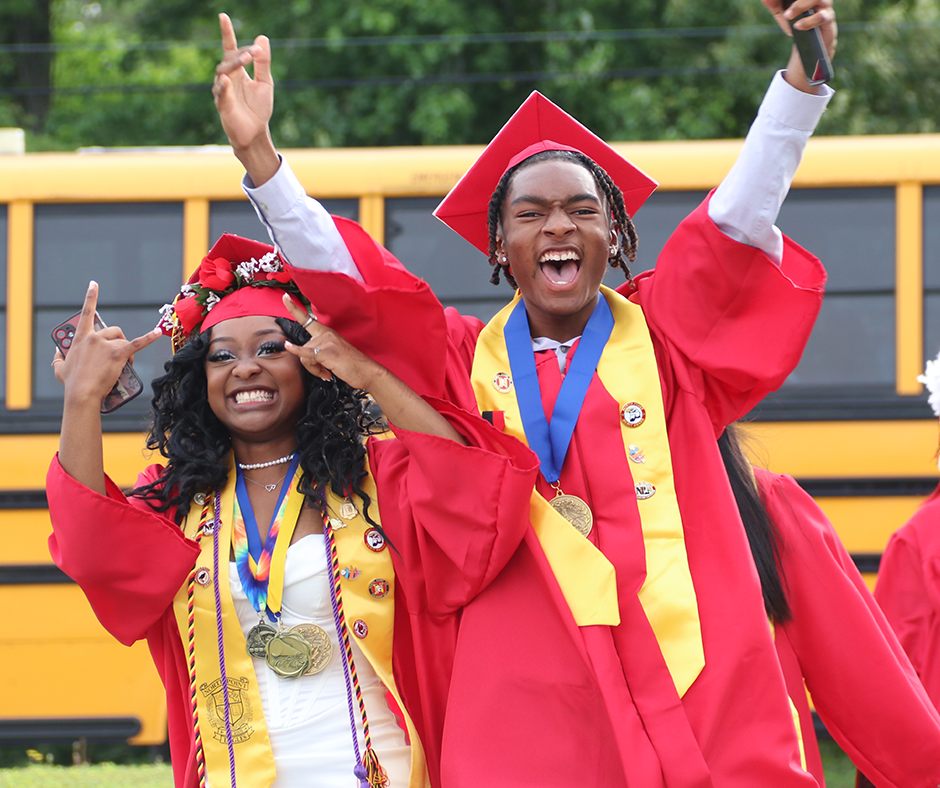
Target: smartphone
(812,51)
(128,385)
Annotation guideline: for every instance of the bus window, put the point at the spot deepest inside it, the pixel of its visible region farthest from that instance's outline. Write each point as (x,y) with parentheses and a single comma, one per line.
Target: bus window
(853,232)
(457,272)
(134,250)
(3,300)
(931,270)
(239,218)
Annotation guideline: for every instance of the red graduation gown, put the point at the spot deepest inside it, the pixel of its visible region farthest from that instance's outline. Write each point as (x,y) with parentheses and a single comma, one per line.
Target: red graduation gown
(509,690)
(908,590)
(838,640)
(130,561)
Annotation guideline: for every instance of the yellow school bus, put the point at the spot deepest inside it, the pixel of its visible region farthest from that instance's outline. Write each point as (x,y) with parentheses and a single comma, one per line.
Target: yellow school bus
(851,423)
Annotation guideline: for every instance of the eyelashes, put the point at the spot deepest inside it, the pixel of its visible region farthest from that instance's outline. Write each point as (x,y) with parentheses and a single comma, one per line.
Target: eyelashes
(223,355)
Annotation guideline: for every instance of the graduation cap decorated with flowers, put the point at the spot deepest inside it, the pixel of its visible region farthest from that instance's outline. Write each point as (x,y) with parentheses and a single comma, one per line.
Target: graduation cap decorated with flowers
(239,277)
(538,125)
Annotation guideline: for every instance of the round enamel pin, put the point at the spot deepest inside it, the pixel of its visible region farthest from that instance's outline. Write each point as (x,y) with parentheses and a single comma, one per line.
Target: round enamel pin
(378,588)
(644,490)
(360,628)
(374,540)
(502,382)
(633,414)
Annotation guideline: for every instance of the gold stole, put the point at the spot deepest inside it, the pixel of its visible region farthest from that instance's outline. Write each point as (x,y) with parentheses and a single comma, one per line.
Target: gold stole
(628,371)
(254,762)
(377,612)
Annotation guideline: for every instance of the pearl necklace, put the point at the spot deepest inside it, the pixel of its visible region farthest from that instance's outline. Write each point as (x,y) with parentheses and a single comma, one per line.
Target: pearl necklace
(253,466)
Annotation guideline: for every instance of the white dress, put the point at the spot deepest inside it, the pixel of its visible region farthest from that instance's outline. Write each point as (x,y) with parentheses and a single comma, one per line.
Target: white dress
(308,717)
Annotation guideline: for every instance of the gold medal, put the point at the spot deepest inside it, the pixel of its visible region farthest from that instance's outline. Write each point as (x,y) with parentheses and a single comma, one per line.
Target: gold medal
(574,510)
(287,654)
(257,639)
(321,648)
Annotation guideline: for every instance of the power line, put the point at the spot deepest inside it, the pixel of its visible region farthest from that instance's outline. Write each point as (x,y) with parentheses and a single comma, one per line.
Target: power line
(467,39)
(284,86)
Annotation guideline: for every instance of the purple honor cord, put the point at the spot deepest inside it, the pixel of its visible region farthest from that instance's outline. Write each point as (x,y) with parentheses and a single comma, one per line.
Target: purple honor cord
(550,440)
(229,738)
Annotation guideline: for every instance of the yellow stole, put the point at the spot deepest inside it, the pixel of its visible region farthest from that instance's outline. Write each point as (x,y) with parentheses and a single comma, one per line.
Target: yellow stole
(254,762)
(377,613)
(628,371)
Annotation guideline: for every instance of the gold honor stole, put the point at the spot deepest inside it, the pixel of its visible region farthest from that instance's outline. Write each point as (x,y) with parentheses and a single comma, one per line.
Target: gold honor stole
(627,369)
(254,762)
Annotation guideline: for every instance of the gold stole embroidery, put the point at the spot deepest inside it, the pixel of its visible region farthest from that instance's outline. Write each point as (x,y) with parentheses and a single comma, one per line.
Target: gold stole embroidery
(628,371)
(254,762)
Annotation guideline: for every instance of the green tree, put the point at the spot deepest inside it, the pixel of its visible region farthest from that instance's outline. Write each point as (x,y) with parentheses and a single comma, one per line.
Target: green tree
(392,72)
(25,65)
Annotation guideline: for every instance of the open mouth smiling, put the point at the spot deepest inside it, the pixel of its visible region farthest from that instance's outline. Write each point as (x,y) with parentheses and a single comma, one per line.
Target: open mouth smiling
(253,395)
(560,267)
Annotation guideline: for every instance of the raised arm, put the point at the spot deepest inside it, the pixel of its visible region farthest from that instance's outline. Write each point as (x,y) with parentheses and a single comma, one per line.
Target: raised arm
(298,225)
(747,202)
(89,371)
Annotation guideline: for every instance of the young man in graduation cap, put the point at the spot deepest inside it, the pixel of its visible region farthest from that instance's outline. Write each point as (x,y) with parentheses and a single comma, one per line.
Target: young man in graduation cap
(630,649)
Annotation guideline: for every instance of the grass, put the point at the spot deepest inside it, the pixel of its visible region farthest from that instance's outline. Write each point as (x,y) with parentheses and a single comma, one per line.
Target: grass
(102,775)
(840,773)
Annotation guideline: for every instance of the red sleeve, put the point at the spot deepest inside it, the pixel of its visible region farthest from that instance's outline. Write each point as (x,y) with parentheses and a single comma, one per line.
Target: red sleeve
(387,316)
(454,514)
(129,560)
(394,318)
(861,682)
(740,320)
(903,594)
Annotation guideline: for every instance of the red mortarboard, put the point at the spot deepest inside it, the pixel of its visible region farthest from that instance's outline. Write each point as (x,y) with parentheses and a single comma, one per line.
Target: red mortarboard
(536,126)
(223,273)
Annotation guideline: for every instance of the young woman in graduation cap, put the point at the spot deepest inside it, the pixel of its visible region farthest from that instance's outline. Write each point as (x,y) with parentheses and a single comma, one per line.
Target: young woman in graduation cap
(254,561)
(633,647)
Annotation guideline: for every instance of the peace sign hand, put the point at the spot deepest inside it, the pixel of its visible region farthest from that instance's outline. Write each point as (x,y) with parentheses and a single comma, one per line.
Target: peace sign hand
(245,105)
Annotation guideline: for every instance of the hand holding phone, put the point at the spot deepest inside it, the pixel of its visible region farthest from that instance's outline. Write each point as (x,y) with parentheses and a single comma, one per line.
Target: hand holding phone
(813,54)
(128,384)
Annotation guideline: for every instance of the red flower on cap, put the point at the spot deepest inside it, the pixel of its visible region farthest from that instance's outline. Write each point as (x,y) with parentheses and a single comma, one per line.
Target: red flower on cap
(280,276)
(189,313)
(216,274)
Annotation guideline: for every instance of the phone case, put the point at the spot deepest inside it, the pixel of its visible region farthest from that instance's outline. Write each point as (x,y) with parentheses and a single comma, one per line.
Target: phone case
(809,44)
(128,384)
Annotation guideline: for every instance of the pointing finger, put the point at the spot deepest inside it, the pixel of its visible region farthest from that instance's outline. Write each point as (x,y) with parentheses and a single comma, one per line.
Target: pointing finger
(229,41)
(86,322)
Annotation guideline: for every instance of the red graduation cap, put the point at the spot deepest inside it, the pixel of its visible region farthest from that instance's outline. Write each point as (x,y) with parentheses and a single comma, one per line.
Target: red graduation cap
(239,277)
(537,125)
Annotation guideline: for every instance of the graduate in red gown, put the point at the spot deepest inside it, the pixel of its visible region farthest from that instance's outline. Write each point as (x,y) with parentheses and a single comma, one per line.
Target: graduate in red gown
(908,587)
(253,394)
(831,637)
(619,637)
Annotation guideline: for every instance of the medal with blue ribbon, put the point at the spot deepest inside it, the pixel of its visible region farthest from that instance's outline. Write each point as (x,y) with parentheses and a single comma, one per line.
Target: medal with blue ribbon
(550,438)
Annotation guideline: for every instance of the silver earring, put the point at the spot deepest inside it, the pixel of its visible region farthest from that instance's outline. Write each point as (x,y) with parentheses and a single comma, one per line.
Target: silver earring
(614,249)
(503,259)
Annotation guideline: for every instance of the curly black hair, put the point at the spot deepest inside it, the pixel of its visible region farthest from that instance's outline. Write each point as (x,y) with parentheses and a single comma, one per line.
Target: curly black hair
(184,430)
(626,236)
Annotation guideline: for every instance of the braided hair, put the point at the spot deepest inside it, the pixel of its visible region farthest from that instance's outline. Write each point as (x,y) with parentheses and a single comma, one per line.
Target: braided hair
(184,430)
(626,236)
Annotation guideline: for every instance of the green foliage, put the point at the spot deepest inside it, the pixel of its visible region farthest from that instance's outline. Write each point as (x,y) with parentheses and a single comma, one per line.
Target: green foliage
(392,72)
